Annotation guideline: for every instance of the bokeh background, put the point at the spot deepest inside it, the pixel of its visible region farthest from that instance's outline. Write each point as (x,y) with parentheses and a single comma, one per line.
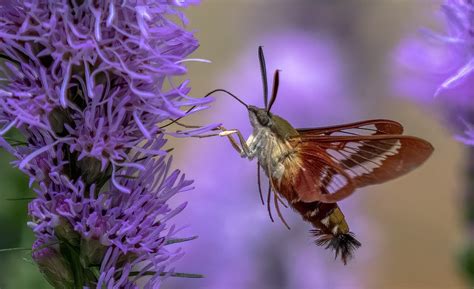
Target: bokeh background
(338,62)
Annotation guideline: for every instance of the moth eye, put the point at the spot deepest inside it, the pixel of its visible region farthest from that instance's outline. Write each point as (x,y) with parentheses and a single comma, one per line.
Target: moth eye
(263,119)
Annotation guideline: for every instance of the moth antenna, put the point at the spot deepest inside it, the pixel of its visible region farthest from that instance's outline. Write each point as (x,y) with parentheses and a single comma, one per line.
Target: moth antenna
(208,94)
(259,183)
(276,84)
(263,70)
(342,244)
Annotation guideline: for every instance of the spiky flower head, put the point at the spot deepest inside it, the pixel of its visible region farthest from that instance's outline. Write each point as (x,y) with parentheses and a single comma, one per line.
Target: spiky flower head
(109,229)
(87,84)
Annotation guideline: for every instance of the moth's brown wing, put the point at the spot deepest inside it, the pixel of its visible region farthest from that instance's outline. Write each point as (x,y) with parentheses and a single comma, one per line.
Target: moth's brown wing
(361,128)
(371,159)
(367,127)
(311,175)
(330,162)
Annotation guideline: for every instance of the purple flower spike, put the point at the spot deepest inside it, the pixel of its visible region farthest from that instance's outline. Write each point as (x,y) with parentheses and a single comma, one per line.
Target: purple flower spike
(439,67)
(94,72)
(460,24)
(125,229)
(87,85)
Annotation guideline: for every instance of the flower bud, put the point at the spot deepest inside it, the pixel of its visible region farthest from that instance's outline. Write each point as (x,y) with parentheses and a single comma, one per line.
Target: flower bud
(55,269)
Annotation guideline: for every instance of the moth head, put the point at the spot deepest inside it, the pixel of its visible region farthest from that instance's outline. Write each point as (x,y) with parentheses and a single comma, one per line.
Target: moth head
(259,117)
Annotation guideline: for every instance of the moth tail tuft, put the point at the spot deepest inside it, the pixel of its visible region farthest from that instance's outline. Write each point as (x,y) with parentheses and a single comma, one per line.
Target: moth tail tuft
(343,244)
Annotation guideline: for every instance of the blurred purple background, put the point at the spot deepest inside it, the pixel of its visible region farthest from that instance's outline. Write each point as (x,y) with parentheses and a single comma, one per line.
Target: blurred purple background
(337,62)
(333,58)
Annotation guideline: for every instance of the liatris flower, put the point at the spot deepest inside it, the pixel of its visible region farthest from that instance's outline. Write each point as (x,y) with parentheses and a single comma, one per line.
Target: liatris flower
(87,84)
(114,233)
(439,68)
(442,72)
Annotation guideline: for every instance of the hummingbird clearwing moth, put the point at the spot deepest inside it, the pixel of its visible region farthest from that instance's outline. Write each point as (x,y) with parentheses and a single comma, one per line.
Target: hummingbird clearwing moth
(314,168)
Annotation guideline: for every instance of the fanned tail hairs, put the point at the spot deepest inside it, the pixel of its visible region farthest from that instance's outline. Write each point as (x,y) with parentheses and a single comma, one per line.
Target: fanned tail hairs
(330,228)
(344,244)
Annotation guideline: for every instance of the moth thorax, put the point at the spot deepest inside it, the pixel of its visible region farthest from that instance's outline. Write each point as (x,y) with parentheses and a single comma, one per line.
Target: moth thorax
(261,143)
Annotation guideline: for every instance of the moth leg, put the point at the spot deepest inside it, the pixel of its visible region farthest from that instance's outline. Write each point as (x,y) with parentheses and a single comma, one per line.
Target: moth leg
(243,148)
(205,135)
(281,201)
(223,132)
(196,126)
(276,198)
(234,143)
(269,194)
(259,183)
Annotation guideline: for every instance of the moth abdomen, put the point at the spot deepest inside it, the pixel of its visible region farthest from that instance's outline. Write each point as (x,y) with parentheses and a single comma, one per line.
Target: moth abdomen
(330,228)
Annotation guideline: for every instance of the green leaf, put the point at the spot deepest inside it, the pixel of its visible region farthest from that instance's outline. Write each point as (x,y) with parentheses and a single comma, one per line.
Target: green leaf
(14,250)
(20,199)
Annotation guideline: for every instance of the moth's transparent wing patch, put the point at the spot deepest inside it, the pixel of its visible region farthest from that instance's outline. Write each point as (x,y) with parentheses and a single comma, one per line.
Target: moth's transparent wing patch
(313,176)
(370,152)
(376,159)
